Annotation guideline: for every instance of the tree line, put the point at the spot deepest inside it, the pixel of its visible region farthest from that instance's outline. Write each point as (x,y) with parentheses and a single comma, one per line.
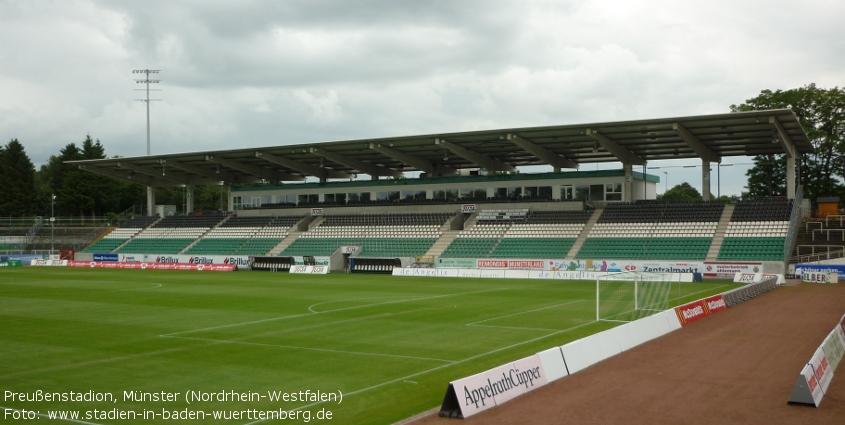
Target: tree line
(25,191)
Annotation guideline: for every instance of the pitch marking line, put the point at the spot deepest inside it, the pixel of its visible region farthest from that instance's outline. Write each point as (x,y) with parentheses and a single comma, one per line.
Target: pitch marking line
(328,350)
(696,293)
(404,378)
(524,312)
(58,419)
(271,319)
(311,307)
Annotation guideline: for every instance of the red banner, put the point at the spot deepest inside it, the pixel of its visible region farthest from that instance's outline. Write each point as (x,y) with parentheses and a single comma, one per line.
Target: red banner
(693,311)
(153,266)
(511,264)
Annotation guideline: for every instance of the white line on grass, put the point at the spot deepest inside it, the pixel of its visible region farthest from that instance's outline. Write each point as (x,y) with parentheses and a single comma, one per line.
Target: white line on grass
(696,293)
(519,328)
(392,381)
(271,319)
(311,307)
(328,350)
(524,312)
(46,416)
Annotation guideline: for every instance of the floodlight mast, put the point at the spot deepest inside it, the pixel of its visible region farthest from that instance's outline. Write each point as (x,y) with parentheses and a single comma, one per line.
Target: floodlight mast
(147,81)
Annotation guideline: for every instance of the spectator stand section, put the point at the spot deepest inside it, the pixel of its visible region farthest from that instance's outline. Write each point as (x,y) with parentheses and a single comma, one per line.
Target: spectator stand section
(757,231)
(377,236)
(120,235)
(255,235)
(653,231)
(172,234)
(519,233)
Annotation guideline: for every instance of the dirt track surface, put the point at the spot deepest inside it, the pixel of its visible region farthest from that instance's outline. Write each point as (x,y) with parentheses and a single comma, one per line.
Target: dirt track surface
(736,367)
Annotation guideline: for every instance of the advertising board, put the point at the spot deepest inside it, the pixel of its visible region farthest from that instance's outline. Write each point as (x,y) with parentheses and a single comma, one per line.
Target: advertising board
(696,310)
(106,257)
(730,269)
(152,266)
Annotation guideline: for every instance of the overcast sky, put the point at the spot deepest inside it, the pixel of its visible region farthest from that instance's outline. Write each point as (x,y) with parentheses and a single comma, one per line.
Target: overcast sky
(260,73)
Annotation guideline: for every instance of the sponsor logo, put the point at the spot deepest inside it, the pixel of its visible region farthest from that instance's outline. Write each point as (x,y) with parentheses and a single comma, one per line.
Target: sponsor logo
(316,211)
(468,208)
(166,259)
(746,277)
(693,311)
(240,261)
(200,260)
(716,305)
(318,269)
(511,264)
(509,380)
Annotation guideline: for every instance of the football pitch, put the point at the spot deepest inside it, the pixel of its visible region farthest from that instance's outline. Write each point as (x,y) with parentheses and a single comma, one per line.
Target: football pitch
(147,347)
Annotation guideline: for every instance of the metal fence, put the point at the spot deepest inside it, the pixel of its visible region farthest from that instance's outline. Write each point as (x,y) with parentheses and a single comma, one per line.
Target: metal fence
(747,292)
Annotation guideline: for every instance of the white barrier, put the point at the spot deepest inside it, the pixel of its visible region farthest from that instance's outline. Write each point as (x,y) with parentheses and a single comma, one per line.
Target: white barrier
(588,351)
(517,274)
(553,364)
(467,396)
(815,376)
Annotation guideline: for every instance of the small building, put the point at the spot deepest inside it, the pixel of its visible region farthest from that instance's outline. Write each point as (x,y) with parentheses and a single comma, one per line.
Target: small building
(828,205)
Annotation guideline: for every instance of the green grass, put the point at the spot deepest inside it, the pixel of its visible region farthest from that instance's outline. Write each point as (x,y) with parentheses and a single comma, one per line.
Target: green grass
(389,344)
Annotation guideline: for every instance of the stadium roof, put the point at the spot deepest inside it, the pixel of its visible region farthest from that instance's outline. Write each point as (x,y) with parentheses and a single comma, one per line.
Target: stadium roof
(709,137)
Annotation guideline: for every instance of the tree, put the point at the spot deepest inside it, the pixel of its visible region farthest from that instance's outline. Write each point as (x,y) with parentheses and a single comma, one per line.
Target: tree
(17,181)
(681,192)
(767,177)
(822,115)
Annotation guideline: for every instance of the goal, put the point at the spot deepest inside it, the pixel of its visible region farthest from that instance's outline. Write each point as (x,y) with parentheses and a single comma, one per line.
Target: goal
(628,296)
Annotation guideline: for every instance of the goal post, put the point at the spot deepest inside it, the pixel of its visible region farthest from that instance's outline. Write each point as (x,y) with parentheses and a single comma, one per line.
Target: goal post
(628,296)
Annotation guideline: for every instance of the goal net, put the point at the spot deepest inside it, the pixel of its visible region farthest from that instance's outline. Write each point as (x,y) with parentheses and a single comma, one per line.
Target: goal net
(628,296)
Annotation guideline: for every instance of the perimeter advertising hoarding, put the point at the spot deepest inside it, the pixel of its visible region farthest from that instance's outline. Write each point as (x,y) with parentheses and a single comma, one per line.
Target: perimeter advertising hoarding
(696,310)
(807,389)
(49,263)
(11,263)
(106,257)
(574,265)
(493,387)
(455,263)
(821,367)
(152,266)
(24,257)
(730,269)
(240,261)
(309,270)
(834,347)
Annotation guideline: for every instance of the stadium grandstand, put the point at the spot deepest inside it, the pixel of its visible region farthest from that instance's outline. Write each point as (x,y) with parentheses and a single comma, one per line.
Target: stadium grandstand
(465,196)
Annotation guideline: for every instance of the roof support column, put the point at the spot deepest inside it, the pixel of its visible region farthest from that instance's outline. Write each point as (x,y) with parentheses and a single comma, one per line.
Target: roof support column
(790,177)
(189,198)
(628,187)
(705,179)
(151,201)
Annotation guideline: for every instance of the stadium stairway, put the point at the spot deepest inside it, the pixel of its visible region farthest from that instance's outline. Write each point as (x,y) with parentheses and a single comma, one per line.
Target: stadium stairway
(719,236)
(204,234)
(440,245)
(292,236)
(584,233)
